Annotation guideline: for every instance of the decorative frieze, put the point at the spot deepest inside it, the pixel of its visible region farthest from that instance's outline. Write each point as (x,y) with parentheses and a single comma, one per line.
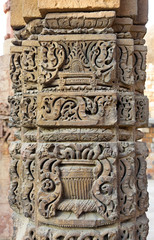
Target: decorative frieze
(76,109)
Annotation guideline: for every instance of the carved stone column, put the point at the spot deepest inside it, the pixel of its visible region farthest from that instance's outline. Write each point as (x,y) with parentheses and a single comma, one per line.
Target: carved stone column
(78,169)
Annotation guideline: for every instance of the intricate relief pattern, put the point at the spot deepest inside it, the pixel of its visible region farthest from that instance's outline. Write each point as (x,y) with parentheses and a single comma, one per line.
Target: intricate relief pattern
(80,180)
(126,110)
(78,23)
(15,113)
(16,71)
(6,134)
(127,180)
(76,63)
(88,110)
(142,228)
(45,233)
(125,59)
(51,186)
(142,115)
(104,188)
(141,178)
(29,107)
(79,102)
(28,187)
(70,24)
(140,67)
(15,175)
(53,56)
(127,231)
(29,67)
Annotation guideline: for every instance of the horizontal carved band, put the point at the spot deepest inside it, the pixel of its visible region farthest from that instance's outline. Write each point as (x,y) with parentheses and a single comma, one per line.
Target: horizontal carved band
(77,110)
(129,230)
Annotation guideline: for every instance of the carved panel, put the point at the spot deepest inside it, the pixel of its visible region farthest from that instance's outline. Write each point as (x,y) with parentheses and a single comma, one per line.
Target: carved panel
(142,115)
(87,183)
(6,133)
(77,110)
(29,63)
(76,62)
(127,193)
(28,186)
(16,68)
(126,109)
(141,178)
(140,53)
(46,233)
(28,110)
(125,48)
(15,176)
(15,113)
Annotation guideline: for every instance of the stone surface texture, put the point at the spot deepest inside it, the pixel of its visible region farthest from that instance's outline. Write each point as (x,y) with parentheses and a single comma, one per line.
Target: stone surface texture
(78,169)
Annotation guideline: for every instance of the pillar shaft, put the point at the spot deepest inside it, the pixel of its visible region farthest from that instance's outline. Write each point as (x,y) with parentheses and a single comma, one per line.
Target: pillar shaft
(78,169)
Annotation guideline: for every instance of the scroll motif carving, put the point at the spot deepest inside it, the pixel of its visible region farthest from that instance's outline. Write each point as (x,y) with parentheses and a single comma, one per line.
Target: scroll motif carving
(126,109)
(104,188)
(29,67)
(125,60)
(15,175)
(142,194)
(78,171)
(51,186)
(45,233)
(15,113)
(16,71)
(142,115)
(28,187)
(127,231)
(28,113)
(53,56)
(77,62)
(75,110)
(127,180)
(140,66)
(142,228)
(6,134)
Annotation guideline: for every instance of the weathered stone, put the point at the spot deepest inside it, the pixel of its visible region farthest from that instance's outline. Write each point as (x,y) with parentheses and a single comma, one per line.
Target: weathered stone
(63,5)
(128,8)
(78,168)
(17,19)
(142,16)
(30,10)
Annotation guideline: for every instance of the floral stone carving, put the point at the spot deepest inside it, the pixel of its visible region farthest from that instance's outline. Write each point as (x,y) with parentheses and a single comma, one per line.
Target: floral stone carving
(78,168)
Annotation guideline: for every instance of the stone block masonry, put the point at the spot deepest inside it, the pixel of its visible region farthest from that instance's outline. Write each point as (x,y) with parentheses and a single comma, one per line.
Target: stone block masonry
(78,169)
